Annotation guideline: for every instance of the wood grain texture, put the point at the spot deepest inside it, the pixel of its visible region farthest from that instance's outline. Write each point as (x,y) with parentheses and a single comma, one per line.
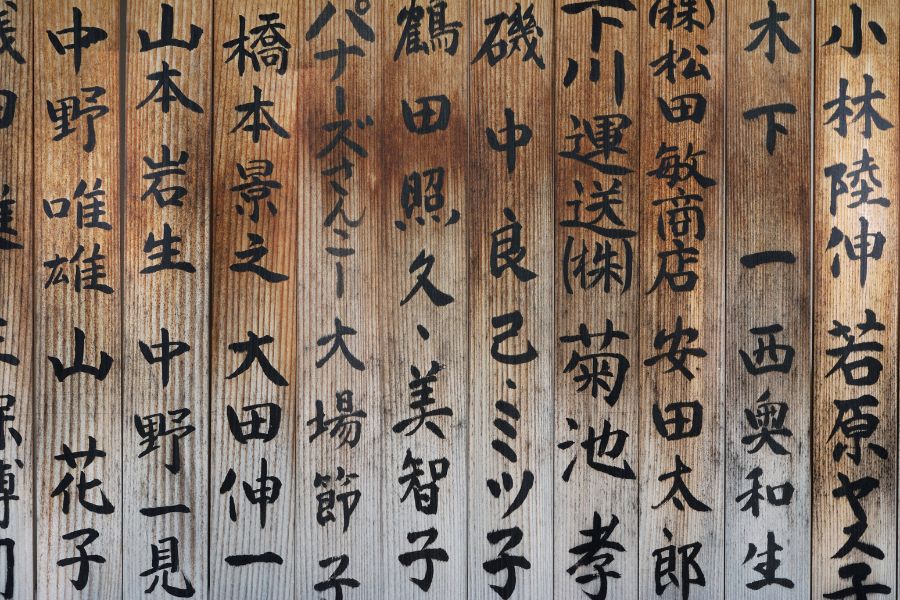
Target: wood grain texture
(768,209)
(590,293)
(526,89)
(380,269)
(345,248)
(17,312)
(81,406)
(845,299)
(699,307)
(409,161)
(175,300)
(245,305)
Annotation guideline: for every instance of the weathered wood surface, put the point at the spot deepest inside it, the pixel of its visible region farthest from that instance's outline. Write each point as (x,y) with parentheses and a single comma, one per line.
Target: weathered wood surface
(510,321)
(165,407)
(596,379)
(854,411)
(344,297)
(423,212)
(78,422)
(767,319)
(17,253)
(254,301)
(682,308)
(460,357)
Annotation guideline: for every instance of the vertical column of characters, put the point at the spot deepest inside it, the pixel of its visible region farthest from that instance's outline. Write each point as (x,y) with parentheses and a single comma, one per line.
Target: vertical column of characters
(854,440)
(345,300)
(511,274)
(422,222)
(78,303)
(254,299)
(596,298)
(682,274)
(767,300)
(16,303)
(166,314)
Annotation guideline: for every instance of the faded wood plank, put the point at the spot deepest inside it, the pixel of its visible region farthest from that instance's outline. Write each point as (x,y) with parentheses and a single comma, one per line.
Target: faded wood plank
(511,319)
(767,314)
(78,288)
(254,299)
(423,215)
(352,258)
(166,402)
(343,292)
(17,309)
(862,403)
(682,313)
(596,294)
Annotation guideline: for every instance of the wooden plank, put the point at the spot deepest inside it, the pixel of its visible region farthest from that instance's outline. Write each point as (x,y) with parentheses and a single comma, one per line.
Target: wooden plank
(596,300)
(16,309)
(768,339)
(510,323)
(254,299)
(422,216)
(78,299)
(682,312)
(342,278)
(166,316)
(357,322)
(855,273)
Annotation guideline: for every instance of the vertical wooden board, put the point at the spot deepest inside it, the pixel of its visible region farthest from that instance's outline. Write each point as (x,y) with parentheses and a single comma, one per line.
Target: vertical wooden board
(17,434)
(855,362)
(254,299)
(768,339)
(83,405)
(166,385)
(596,293)
(682,315)
(511,407)
(422,214)
(342,274)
